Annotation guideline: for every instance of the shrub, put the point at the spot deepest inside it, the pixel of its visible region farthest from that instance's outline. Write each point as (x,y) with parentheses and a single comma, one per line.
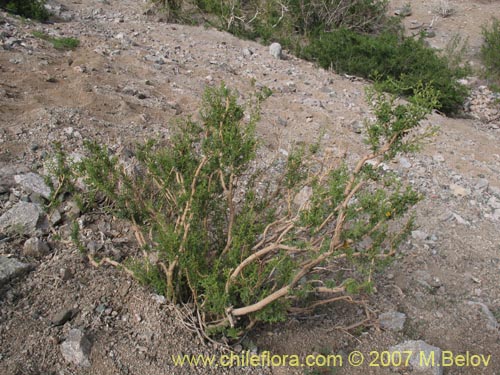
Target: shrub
(34,9)
(58,43)
(490,50)
(396,62)
(230,240)
(288,20)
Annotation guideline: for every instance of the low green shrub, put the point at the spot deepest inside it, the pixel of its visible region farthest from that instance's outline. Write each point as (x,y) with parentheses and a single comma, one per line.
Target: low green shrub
(58,43)
(490,50)
(395,62)
(232,241)
(33,9)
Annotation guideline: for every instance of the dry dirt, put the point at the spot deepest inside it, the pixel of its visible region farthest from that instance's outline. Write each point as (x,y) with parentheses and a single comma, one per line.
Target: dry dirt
(132,76)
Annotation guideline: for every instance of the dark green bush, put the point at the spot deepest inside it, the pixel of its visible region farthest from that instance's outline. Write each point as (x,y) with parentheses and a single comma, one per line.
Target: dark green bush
(27,8)
(58,43)
(490,50)
(397,63)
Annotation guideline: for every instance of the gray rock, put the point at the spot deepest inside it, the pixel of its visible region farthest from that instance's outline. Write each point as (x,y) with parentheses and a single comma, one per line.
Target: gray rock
(404,11)
(419,235)
(72,210)
(492,321)
(275,50)
(23,218)
(247,52)
(494,190)
(55,217)
(438,158)
(424,359)
(357,127)
(7,174)
(494,203)
(460,219)
(11,268)
(76,348)
(496,215)
(63,316)
(33,183)
(405,163)
(36,248)
(482,184)
(392,321)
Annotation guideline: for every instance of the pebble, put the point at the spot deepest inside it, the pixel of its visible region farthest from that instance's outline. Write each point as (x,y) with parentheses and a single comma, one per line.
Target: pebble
(459,191)
(392,321)
(276,51)
(11,268)
(419,235)
(22,218)
(405,163)
(36,248)
(423,349)
(76,349)
(63,316)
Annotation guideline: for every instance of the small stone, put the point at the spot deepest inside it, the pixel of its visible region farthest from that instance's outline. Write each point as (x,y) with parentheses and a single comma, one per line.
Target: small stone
(496,215)
(76,348)
(404,11)
(11,268)
(430,33)
(357,127)
(63,316)
(275,50)
(72,210)
(482,184)
(33,183)
(494,203)
(421,350)
(80,69)
(392,321)
(492,321)
(419,235)
(247,52)
(100,308)
(23,218)
(438,158)
(405,163)
(460,219)
(65,274)
(36,248)
(459,191)
(161,300)
(303,196)
(55,217)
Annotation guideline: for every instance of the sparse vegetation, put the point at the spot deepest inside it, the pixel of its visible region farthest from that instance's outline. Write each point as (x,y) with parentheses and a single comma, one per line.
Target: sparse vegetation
(33,9)
(490,50)
(354,37)
(58,43)
(232,240)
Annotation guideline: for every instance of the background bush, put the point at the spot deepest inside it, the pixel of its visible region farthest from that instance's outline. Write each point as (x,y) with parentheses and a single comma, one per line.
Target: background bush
(33,9)
(396,62)
(490,50)
(351,36)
